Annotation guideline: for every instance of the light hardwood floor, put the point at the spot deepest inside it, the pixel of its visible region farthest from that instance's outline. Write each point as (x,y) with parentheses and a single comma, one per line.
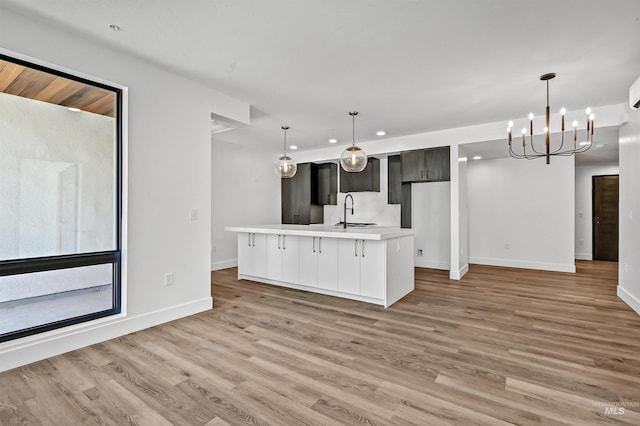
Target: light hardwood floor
(501,346)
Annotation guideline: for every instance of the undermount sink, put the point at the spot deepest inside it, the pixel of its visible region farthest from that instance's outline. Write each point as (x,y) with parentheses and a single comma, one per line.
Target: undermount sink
(356,224)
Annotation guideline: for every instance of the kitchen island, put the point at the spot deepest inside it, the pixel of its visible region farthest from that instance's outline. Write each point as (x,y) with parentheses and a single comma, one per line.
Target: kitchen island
(373,264)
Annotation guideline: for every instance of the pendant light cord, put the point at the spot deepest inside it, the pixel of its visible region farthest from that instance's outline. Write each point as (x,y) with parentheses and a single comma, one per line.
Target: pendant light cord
(285,128)
(353,127)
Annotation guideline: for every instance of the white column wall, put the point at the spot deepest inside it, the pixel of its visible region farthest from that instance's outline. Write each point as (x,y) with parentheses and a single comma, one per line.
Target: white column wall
(462,267)
(629,250)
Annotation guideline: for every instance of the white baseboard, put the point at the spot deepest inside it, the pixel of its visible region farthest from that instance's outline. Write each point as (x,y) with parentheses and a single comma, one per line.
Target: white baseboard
(30,349)
(457,275)
(629,299)
(421,262)
(509,263)
(215,266)
(584,256)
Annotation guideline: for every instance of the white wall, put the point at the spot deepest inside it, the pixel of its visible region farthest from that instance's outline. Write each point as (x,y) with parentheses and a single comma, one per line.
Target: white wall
(244,191)
(629,250)
(584,230)
(167,172)
(521,213)
(431,219)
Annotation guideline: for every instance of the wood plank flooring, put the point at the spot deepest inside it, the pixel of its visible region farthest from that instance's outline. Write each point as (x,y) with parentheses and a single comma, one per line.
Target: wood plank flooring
(502,346)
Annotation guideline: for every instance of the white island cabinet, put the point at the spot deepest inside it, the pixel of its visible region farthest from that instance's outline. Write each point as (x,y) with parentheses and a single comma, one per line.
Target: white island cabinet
(319,262)
(282,258)
(252,254)
(372,265)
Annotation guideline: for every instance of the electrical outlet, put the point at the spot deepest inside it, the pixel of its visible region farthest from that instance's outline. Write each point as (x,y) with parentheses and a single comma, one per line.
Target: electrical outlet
(213,248)
(581,242)
(419,252)
(193,214)
(168,279)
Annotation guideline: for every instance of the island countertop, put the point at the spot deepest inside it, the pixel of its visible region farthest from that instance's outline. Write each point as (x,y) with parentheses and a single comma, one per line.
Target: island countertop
(327,231)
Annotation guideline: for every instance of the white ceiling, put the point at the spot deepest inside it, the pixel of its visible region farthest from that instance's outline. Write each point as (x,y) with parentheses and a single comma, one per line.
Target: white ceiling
(408,66)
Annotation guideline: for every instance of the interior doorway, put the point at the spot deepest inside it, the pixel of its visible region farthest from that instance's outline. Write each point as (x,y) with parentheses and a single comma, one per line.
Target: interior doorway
(605,217)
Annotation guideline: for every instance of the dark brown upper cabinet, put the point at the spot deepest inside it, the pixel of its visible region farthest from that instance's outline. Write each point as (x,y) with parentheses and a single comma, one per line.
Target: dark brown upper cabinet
(298,194)
(366,180)
(327,184)
(394,179)
(425,165)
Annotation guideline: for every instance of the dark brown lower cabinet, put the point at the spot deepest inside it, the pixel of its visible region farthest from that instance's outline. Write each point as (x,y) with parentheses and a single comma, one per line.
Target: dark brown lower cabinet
(394,179)
(296,197)
(327,184)
(405,206)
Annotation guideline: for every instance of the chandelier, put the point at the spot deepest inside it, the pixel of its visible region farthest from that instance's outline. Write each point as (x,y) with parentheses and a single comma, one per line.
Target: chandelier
(285,166)
(530,151)
(353,159)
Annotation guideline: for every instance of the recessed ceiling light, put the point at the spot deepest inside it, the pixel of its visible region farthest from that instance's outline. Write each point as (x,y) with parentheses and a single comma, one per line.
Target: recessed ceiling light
(477,157)
(333,140)
(293,146)
(381,133)
(74,109)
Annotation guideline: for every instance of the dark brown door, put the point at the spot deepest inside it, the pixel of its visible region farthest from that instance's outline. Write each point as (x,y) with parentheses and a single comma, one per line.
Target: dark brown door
(605,218)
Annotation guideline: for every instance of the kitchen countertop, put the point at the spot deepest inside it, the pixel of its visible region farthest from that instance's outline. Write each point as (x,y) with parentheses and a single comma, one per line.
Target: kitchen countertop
(327,231)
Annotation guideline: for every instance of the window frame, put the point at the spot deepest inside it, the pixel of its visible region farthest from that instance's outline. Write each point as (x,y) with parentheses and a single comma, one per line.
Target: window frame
(57,262)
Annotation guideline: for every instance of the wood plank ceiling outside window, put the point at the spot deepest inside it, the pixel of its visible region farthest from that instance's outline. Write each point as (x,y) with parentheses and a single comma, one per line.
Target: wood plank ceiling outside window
(30,83)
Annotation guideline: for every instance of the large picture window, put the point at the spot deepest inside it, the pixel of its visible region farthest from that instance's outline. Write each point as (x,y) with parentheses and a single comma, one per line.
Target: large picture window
(60,199)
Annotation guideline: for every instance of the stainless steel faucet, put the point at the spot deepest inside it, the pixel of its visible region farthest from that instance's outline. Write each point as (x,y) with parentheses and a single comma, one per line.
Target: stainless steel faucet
(345,209)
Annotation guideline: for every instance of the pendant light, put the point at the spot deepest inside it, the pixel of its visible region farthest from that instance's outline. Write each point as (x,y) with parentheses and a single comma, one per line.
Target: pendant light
(285,166)
(353,159)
